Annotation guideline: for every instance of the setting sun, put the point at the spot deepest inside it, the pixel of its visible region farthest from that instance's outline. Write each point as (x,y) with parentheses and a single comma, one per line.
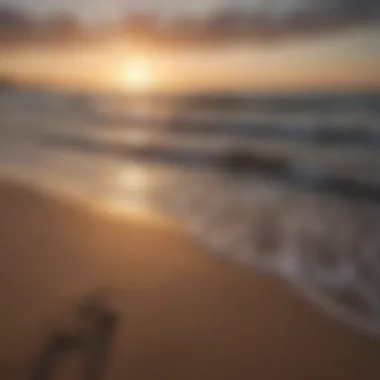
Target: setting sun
(138,76)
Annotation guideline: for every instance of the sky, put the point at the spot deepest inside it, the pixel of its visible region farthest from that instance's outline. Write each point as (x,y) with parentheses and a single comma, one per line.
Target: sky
(346,56)
(98,9)
(349,58)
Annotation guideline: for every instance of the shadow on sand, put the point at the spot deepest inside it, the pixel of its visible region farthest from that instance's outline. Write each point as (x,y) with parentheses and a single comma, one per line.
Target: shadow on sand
(97,324)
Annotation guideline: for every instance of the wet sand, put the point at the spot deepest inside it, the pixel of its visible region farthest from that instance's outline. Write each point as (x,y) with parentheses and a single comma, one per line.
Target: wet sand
(184,314)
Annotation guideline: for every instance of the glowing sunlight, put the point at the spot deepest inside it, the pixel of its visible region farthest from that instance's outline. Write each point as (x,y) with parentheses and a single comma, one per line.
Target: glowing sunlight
(138,76)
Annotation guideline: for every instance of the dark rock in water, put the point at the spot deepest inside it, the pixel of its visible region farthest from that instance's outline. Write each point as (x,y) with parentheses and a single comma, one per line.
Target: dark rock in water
(248,161)
(353,189)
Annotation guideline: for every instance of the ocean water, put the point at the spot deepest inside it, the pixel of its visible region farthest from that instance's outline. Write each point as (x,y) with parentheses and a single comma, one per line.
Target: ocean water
(316,223)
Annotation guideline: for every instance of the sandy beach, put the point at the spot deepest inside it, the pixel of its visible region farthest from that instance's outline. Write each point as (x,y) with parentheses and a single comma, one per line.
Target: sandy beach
(184,314)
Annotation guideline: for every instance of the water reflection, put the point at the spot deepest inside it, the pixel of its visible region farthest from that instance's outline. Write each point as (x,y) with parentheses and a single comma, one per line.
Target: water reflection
(133,183)
(133,189)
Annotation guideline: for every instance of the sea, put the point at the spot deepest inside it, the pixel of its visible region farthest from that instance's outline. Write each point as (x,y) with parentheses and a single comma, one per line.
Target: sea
(287,183)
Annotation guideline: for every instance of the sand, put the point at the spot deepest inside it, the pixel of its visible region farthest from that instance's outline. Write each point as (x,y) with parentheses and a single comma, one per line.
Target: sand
(184,314)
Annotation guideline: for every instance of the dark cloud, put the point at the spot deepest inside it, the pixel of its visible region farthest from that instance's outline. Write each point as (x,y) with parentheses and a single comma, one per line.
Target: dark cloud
(259,20)
(368,8)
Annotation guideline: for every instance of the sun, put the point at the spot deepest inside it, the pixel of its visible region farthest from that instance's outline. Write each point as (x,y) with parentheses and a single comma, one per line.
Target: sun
(138,76)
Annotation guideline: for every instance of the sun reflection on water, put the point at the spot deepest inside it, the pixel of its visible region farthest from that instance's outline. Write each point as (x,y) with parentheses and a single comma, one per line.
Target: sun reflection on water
(133,183)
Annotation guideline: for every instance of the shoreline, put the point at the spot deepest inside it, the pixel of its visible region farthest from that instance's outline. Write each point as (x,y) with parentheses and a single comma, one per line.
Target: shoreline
(183,311)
